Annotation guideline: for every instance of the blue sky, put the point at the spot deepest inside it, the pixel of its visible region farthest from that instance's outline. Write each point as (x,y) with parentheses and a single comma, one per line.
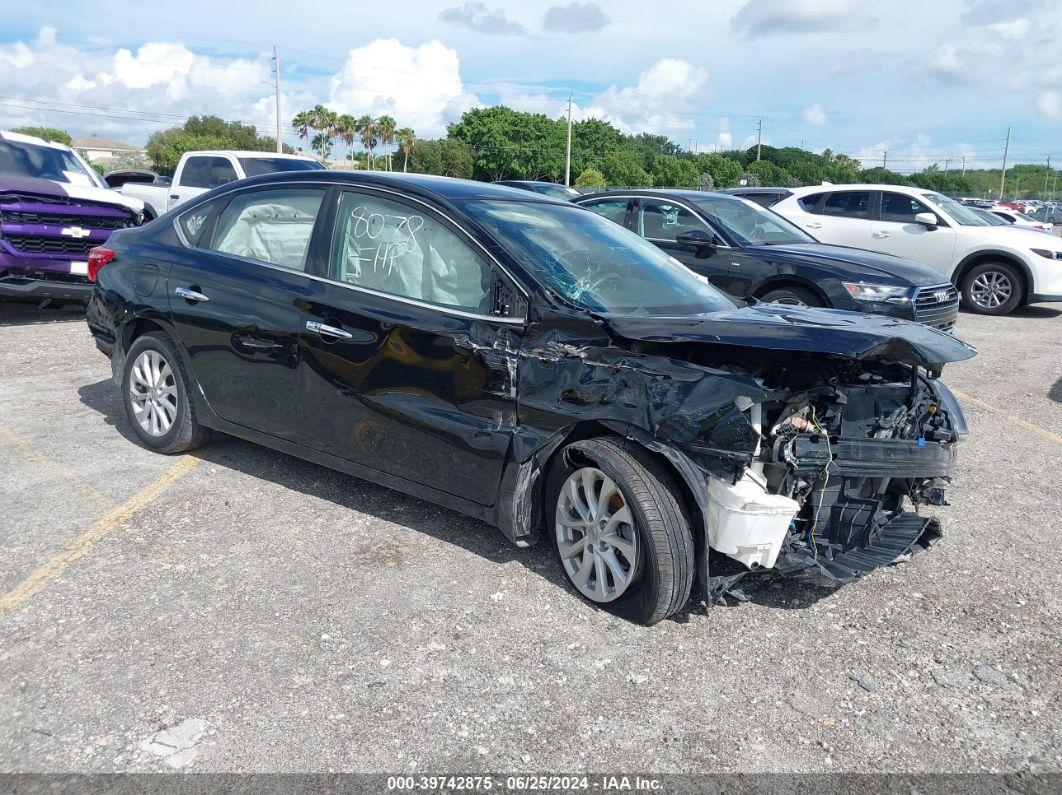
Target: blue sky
(925,81)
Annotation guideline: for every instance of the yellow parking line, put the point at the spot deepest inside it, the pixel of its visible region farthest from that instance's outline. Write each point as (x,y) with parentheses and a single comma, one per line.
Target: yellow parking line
(21,593)
(1050,435)
(50,465)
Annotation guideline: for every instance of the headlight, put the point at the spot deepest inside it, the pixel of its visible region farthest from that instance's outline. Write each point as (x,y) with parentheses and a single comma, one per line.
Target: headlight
(1047,253)
(862,291)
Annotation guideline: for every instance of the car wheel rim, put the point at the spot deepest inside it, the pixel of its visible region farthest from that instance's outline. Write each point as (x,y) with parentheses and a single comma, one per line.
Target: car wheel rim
(991,289)
(785,301)
(595,535)
(153,393)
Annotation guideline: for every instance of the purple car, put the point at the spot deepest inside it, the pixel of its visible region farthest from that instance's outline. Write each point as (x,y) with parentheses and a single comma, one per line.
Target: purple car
(53,210)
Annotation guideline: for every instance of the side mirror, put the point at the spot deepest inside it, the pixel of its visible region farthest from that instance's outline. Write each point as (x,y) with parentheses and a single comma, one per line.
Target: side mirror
(928,220)
(697,238)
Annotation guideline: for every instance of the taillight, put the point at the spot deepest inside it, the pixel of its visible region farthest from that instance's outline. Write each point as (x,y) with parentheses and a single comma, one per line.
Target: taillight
(98,257)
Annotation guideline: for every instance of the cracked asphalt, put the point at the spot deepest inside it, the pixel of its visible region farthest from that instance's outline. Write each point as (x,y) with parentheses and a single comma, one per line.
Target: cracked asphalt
(245,611)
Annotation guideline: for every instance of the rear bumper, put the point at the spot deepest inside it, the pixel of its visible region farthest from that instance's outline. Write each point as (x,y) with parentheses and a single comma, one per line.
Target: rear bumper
(27,289)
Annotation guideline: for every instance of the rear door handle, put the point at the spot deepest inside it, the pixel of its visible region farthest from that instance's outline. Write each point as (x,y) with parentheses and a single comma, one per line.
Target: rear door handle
(189,294)
(326,331)
(814,225)
(881,235)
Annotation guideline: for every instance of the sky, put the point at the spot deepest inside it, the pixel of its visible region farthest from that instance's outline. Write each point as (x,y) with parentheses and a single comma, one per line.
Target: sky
(924,81)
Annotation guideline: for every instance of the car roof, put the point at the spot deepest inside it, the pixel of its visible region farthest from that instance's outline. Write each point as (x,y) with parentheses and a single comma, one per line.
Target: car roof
(751,189)
(856,186)
(687,194)
(248,153)
(447,188)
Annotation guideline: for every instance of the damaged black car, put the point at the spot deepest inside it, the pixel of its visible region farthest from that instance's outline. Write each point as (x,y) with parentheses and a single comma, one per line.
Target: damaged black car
(527,362)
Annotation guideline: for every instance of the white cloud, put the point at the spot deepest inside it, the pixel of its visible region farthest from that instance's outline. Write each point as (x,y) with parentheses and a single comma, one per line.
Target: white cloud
(657,100)
(815,115)
(1049,103)
(765,17)
(420,86)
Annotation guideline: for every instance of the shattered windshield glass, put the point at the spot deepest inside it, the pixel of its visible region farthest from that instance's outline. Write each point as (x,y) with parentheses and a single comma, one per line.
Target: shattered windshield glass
(594,262)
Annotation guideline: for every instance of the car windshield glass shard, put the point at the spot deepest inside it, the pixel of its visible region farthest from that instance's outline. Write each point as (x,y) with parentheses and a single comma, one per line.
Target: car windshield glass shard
(750,224)
(961,213)
(595,263)
(43,162)
(256,166)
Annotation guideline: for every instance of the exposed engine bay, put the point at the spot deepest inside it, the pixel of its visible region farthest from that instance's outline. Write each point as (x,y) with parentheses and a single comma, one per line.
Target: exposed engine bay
(841,447)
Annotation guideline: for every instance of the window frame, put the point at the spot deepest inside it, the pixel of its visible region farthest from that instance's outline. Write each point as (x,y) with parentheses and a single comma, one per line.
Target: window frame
(499,276)
(721,240)
(627,212)
(873,206)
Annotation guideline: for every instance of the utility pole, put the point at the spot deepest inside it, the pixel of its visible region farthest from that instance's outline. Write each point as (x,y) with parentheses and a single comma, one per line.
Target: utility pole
(1047,176)
(963,166)
(884,159)
(946,161)
(276,65)
(1003,176)
(759,136)
(568,147)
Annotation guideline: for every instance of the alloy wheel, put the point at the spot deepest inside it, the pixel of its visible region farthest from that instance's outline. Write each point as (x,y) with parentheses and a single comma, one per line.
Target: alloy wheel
(153,393)
(991,289)
(595,535)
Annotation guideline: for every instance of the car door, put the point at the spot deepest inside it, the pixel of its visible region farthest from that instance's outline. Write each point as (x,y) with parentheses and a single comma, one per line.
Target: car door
(896,232)
(661,221)
(409,368)
(842,218)
(237,299)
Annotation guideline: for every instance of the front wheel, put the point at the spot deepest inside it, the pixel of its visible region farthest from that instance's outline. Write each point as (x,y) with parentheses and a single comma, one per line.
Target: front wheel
(792,296)
(157,398)
(993,288)
(619,529)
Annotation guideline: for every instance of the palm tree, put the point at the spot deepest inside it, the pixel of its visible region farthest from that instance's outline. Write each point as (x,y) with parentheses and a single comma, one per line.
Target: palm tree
(347,129)
(367,133)
(406,139)
(302,124)
(385,125)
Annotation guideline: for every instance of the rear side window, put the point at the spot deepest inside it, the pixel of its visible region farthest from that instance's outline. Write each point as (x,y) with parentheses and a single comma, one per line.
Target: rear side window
(196,172)
(194,223)
(272,226)
(901,209)
(847,204)
(809,203)
(612,209)
(221,172)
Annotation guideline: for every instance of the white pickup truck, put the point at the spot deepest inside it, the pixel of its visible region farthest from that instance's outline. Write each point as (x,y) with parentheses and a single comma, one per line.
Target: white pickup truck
(198,172)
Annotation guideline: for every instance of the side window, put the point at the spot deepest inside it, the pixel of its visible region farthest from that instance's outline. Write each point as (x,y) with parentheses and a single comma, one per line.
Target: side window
(271,226)
(901,209)
(847,203)
(196,172)
(659,220)
(221,172)
(194,222)
(394,248)
(809,204)
(612,209)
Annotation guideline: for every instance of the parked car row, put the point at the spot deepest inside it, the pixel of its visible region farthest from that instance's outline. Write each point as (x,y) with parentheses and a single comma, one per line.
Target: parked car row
(544,368)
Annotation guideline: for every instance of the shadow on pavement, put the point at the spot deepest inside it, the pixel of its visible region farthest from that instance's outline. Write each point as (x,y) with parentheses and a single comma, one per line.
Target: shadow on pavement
(14,313)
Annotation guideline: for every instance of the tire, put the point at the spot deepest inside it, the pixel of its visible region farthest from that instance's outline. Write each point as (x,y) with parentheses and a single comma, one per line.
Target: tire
(792,296)
(992,288)
(660,577)
(153,360)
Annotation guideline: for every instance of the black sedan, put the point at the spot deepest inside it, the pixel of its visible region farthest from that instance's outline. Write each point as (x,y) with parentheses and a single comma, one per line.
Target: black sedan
(527,362)
(752,253)
(545,188)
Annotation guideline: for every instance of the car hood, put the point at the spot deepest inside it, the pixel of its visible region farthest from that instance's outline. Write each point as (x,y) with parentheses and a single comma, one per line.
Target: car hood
(853,262)
(46,188)
(804,329)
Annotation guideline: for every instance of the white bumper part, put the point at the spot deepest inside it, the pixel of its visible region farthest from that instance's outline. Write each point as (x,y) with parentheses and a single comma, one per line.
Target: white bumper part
(746,522)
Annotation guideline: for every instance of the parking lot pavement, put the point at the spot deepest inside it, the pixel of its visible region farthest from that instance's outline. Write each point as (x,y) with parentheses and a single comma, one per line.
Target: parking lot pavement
(243,610)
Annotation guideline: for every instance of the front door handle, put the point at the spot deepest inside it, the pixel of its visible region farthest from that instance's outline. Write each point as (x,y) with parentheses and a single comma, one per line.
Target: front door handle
(882,235)
(325,331)
(189,294)
(814,225)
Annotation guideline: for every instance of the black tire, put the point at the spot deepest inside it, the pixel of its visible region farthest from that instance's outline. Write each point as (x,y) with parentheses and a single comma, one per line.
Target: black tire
(977,295)
(666,562)
(185,433)
(792,296)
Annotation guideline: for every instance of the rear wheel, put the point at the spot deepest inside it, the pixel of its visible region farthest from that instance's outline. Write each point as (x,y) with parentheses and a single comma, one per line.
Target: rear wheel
(156,396)
(619,529)
(792,296)
(993,288)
